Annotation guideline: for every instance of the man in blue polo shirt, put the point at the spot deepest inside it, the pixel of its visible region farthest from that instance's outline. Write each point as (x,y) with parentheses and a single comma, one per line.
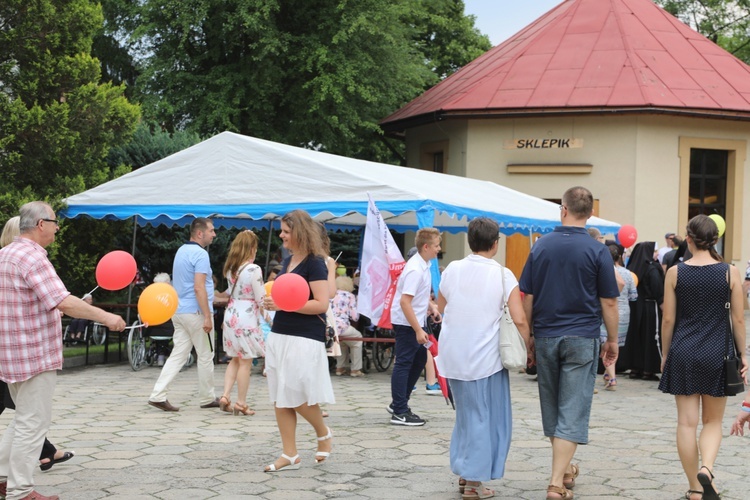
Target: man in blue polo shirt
(569,285)
(193,321)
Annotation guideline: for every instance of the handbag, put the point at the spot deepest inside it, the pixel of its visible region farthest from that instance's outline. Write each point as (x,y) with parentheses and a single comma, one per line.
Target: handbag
(333,348)
(733,382)
(512,346)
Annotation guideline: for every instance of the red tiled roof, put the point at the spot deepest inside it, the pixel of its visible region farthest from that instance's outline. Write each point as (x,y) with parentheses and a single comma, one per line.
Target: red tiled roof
(591,56)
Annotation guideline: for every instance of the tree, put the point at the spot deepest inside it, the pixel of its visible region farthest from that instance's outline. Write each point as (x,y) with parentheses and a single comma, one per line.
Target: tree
(57,121)
(725,22)
(447,36)
(150,144)
(312,73)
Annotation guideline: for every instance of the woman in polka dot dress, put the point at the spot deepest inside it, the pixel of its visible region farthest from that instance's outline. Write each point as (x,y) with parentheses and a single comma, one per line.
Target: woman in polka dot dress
(694,328)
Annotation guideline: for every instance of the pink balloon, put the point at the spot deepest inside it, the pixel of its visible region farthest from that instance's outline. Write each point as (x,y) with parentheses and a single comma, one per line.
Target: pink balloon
(627,236)
(290,292)
(116,270)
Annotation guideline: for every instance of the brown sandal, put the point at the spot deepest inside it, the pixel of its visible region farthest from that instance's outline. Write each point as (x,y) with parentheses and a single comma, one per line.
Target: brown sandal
(461,484)
(565,494)
(569,478)
(689,494)
(240,409)
(477,491)
(225,403)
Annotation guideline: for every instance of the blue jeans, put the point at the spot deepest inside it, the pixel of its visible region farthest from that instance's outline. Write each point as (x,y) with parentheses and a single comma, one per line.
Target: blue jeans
(411,357)
(566,370)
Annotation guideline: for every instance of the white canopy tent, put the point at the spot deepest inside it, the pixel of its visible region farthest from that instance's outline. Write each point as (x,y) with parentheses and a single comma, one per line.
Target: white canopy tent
(247,182)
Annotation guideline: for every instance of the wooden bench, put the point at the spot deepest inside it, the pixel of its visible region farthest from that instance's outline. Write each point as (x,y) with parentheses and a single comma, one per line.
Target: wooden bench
(386,340)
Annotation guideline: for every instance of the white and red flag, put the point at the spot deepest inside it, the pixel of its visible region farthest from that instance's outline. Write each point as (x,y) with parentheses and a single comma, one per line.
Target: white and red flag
(382,264)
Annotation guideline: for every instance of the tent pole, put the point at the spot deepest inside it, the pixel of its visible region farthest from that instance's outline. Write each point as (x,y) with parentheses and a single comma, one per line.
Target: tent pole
(268,246)
(130,288)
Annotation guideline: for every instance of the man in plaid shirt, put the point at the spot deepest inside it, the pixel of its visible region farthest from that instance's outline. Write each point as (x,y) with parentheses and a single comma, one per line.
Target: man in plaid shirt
(31,298)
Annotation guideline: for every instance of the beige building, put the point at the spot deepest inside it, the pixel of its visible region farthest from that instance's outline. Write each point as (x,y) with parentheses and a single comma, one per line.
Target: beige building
(614,95)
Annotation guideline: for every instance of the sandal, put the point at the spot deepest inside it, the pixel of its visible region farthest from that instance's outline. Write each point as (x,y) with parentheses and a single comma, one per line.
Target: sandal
(689,494)
(611,385)
(565,494)
(606,378)
(569,479)
(320,456)
(52,461)
(461,484)
(240,409)
(472,492)
(706,480)
(225,403)
(292,465)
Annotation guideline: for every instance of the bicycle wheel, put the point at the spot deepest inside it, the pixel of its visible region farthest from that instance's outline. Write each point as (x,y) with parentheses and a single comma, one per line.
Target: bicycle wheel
(136,348)
(383,352)
(98,334)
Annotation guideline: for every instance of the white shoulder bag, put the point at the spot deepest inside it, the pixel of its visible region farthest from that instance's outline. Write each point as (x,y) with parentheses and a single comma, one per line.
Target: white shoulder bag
(512,346)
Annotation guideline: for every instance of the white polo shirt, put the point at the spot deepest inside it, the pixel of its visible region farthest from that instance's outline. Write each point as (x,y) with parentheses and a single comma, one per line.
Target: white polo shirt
(415,280)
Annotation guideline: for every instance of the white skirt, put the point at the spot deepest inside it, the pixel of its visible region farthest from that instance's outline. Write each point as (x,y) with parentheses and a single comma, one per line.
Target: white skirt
(297,371)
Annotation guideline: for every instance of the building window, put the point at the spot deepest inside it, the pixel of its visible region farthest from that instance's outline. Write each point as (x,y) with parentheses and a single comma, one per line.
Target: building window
(708,185)
(708,182)
(437,161)
(433,156)
(722,163)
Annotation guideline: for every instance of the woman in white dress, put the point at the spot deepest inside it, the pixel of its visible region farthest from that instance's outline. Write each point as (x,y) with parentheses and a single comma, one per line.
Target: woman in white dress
(473,293)
(243,337)
(296,361)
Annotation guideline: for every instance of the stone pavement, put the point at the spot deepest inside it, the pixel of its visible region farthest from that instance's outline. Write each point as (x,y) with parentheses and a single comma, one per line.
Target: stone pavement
(126,449)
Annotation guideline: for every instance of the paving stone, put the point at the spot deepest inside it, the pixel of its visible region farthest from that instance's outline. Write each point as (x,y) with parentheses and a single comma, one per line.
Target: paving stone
(126,449)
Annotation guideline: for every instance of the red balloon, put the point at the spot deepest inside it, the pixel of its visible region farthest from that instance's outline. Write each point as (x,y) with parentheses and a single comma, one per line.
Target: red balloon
(290,292)
(116,270)
(627,236)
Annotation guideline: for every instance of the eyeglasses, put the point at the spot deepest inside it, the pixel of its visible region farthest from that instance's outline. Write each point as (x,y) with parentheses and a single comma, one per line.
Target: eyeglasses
(563,206)
(54,221)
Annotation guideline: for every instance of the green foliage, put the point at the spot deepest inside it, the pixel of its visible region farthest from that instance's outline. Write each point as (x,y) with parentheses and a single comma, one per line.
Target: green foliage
(446,36)
(725,22)
(312,73)
(57,121)
(148,146)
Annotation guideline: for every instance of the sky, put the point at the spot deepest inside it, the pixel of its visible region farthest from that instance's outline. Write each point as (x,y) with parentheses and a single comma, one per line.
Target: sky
(501,19)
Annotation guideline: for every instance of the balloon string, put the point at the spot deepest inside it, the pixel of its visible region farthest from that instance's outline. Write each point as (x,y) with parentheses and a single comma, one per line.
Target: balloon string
(144,325)
(337,257)
(92,291)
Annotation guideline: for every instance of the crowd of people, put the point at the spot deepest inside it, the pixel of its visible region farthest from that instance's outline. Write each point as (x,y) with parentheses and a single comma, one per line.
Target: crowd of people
(577,302)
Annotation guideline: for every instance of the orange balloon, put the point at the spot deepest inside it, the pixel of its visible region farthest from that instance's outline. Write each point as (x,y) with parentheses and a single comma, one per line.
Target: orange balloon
(157,304)
(635,278)
(268,286)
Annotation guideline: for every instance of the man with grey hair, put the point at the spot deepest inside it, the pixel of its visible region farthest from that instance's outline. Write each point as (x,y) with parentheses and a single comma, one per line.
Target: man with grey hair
(31,296)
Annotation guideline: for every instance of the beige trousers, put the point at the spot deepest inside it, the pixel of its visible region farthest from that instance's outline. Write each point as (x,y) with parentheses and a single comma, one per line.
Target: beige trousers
(24,436)
(350,349)
(188,333)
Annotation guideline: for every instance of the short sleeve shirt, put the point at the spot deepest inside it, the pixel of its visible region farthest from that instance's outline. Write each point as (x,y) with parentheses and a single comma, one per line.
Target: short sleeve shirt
(344,308)
(415,280)
(475,290)
(30,328)
(190,259)
(311,326)
(567,272)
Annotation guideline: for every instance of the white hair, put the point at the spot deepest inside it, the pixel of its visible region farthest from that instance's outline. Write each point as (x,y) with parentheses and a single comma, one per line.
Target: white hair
(162,278)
